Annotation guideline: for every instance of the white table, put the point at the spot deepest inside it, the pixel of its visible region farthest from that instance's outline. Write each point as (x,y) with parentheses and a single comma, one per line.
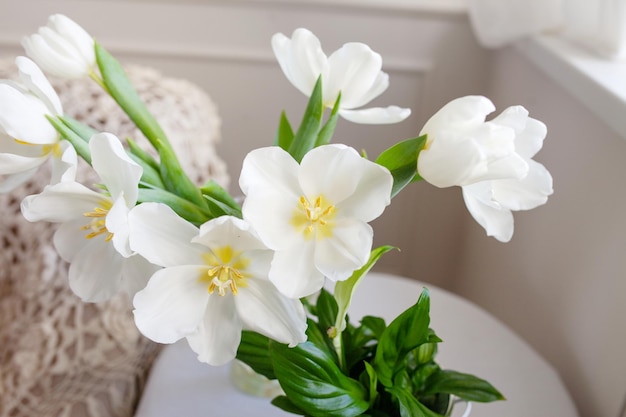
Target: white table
(474,342)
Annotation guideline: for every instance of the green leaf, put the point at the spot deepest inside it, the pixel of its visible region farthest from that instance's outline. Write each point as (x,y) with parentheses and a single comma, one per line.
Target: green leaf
(176,180)
(284,136)
(81,129)
(306,136)
(150,173)
(218,197)
(285,404)
(315,384)
(121,89)
(81,147)
(254,351)
(465,386)
(141,154)
(405,333)
(409,405)
(326,309)
(327,131)
(345,289)
(401,161)
(375,324)
(318,335)
(373,382)
(185,209)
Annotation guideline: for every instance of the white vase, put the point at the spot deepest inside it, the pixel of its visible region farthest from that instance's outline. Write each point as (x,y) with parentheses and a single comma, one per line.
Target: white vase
(251,383)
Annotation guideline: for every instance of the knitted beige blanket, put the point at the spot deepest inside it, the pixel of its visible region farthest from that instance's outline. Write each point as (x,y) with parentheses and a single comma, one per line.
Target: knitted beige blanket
(60,356)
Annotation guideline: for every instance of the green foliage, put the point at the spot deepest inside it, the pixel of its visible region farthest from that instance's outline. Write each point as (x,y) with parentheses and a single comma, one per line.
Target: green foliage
(326,132)
(401,161)
(315,384)
(462,385)
(80,144)
(381,371)
(284,136)
(408,331)
(184,208)
(220,202)
(306,136)
(122,91)
(254,350)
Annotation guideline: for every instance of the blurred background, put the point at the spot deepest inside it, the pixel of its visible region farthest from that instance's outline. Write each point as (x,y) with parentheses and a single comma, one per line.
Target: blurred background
(560,282)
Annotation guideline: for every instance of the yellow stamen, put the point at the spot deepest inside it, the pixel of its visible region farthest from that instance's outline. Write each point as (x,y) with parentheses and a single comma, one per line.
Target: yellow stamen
(314,220)
(97,224)
(225,271)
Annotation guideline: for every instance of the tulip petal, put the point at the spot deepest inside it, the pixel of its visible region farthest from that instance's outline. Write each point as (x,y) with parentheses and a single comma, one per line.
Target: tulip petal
(96,271)
(496,220)
(23,117)
(380,85)
(162,237)
(230,229)
(136,271)
(218,335)
(51,53)
(118,172)
(36,82)
(10,182)
(357,187)
(269,167)
(62,202)
(69,238)
(270,212)
(64,165)
(117,223)
(462,112)
(264,310)
(12,164)
(348,250)
(294,273)
(172,305)
(449,161)
(301,58)
(376,115)
(527,193)
(354,69)
(76,35)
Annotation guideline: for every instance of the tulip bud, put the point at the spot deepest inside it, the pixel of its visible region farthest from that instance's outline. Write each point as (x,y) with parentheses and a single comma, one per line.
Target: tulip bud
(62,48)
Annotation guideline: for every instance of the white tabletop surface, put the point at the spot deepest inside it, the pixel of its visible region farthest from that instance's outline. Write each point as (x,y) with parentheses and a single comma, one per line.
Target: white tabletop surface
(473,342)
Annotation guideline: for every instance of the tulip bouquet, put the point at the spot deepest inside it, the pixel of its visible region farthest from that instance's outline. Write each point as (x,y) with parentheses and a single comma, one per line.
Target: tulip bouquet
(247,280)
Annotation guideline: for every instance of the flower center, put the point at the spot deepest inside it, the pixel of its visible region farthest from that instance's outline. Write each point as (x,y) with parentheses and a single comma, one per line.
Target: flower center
(97,224)
(226,270)
(314,219)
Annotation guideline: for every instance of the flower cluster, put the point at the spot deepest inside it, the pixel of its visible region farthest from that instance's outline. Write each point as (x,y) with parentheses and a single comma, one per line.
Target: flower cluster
(230,277)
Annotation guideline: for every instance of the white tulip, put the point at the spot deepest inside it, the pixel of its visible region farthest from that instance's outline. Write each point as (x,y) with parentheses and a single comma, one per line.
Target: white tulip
(27,139)
(354,70)
(94,234)
(62,48)
(213,284)
(314,215)
(490,160)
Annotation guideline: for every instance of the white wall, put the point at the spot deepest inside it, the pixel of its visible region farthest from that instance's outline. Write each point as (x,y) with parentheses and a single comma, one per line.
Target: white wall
(560,282)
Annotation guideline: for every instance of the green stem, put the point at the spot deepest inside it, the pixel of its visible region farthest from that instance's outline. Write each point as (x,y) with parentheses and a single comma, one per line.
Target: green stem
(94,76)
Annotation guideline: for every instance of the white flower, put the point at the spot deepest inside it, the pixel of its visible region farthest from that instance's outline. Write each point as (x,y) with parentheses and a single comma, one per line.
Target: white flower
(314,215)
(491,161)
(62,48)
(27,138)
(213,284)
(93,235)
(354,70)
